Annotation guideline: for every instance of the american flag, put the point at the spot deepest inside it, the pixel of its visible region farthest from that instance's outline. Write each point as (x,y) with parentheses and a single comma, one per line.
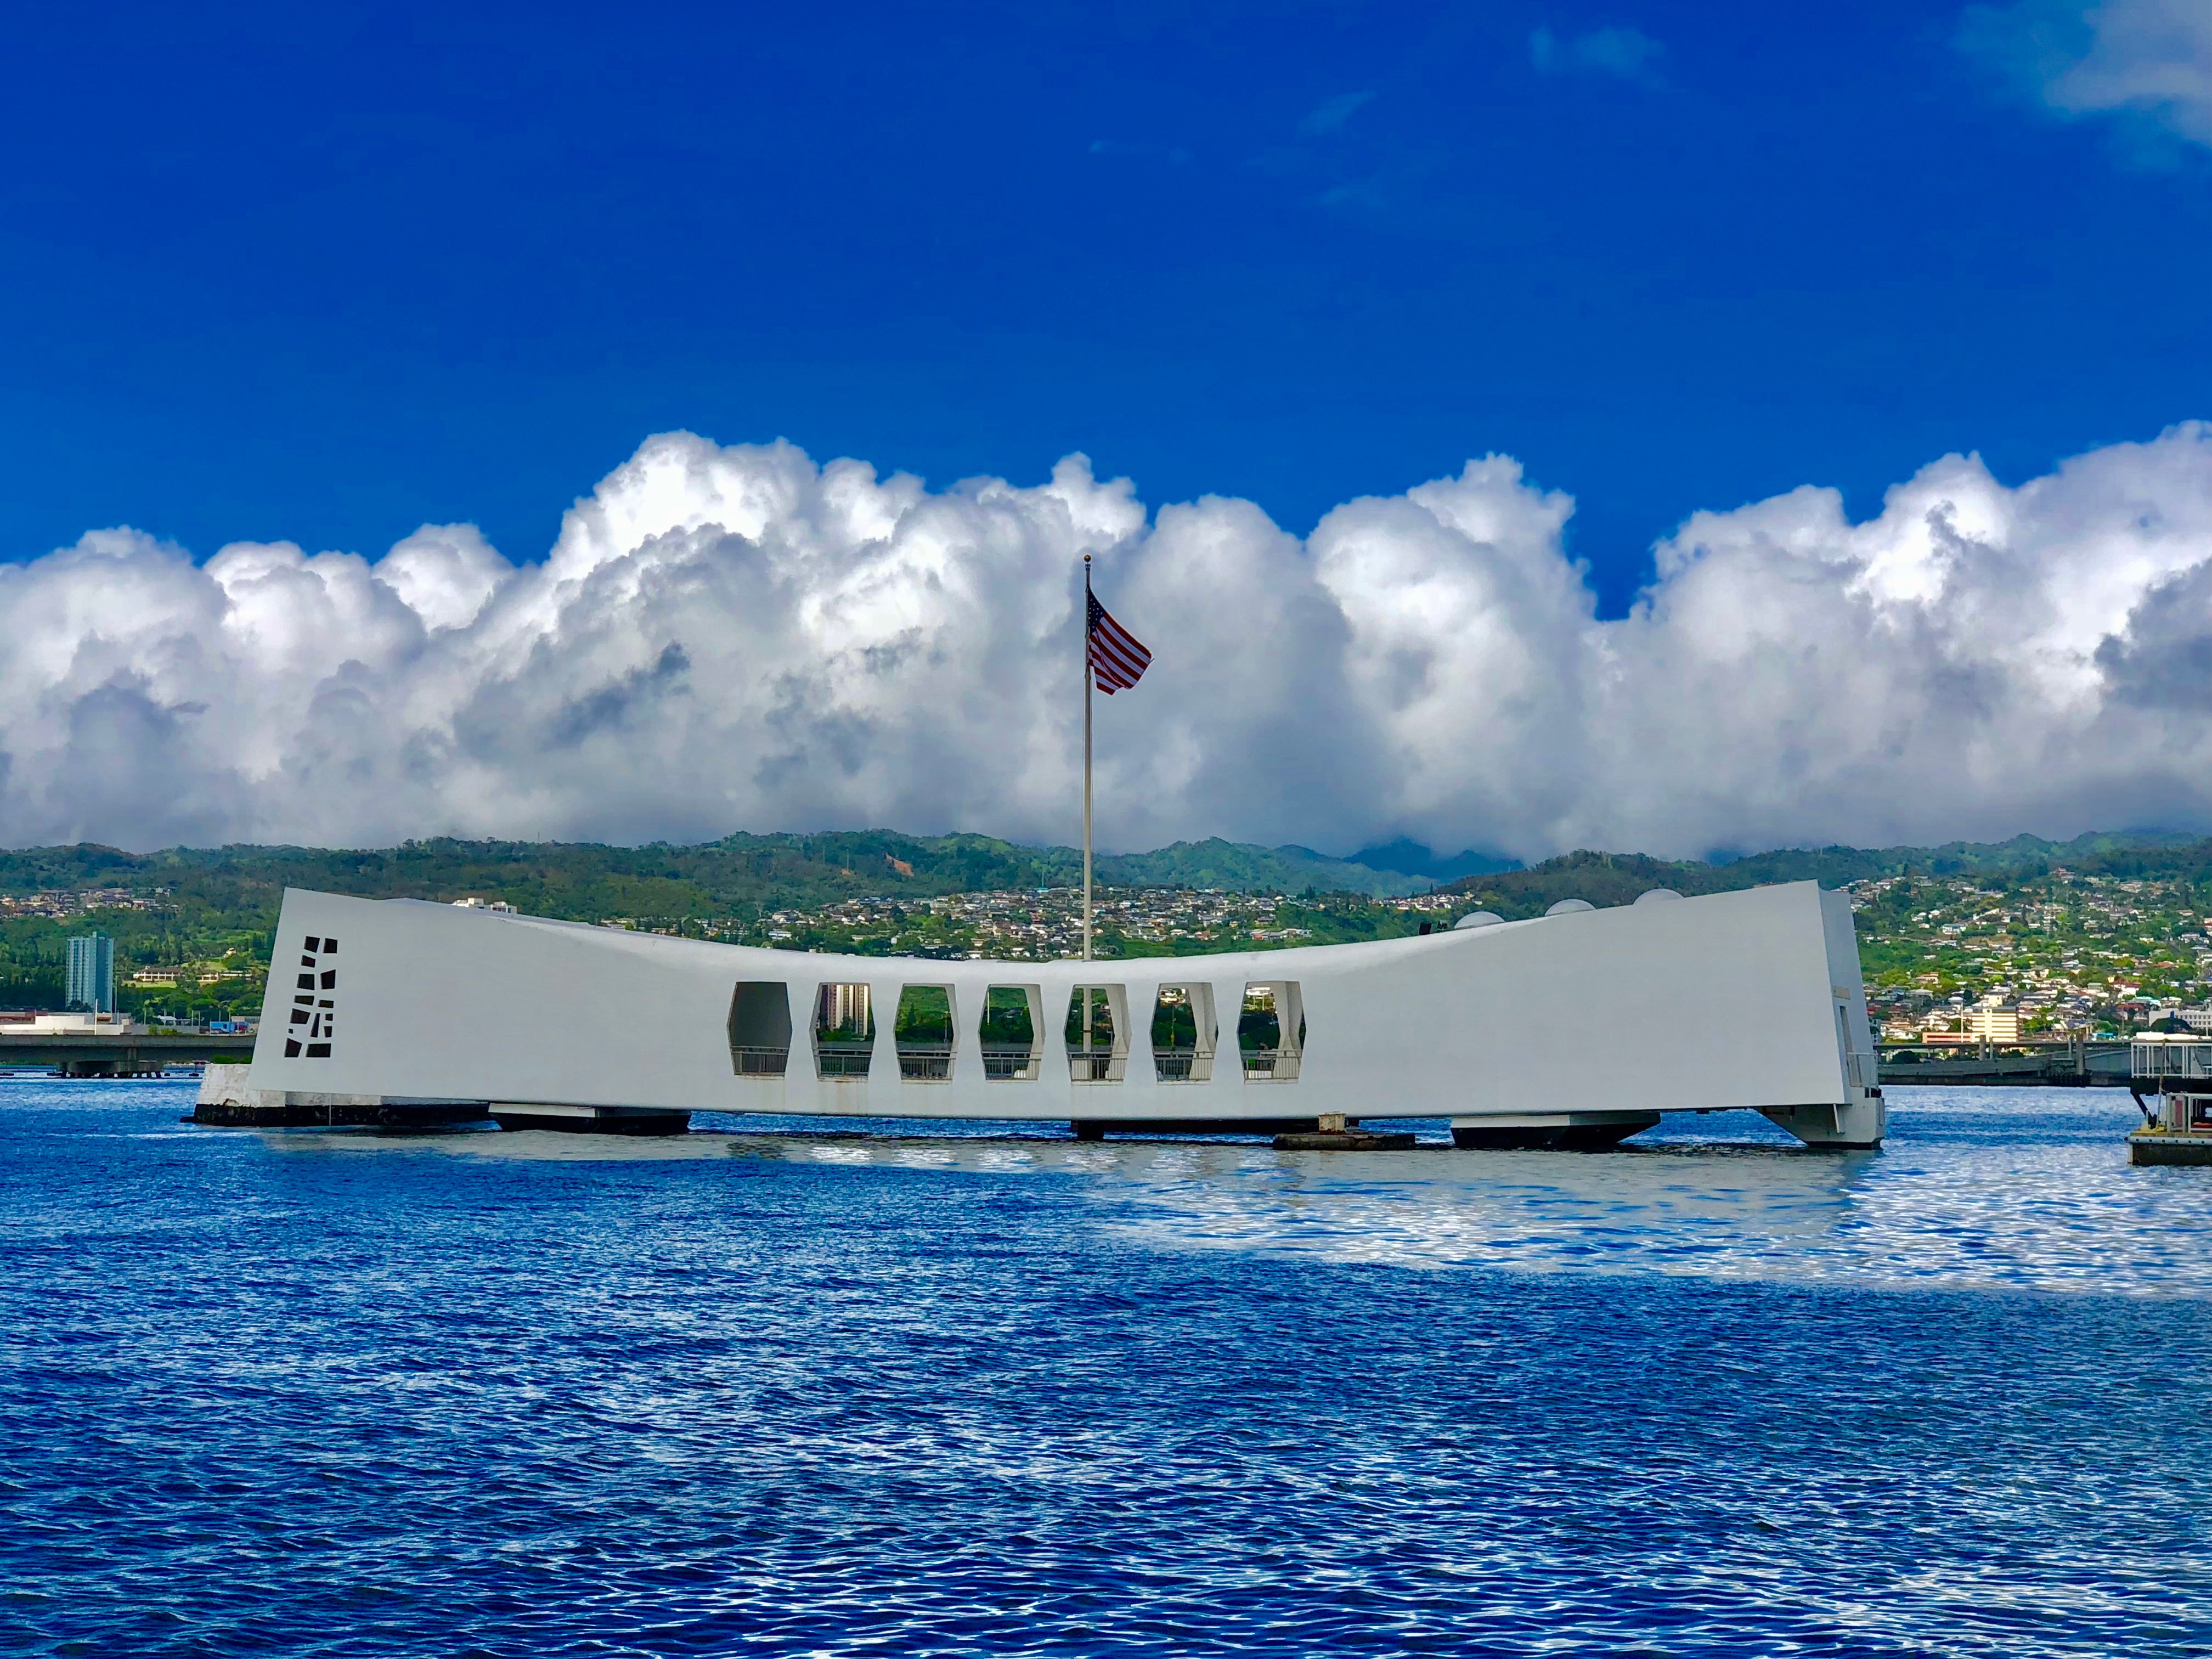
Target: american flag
(1117,660)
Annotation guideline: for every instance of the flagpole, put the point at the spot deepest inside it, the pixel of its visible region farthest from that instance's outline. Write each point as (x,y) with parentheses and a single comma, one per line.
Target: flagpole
(1086,785)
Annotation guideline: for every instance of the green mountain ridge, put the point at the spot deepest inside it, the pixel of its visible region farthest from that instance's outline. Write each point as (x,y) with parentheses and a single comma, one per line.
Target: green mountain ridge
(748,873)
(218,905)
(588,880)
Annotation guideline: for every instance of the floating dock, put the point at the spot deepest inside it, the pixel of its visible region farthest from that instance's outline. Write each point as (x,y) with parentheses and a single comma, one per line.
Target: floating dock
(2171,1078)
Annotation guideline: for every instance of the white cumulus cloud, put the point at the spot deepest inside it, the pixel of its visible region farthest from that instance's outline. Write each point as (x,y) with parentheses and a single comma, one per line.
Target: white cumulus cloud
(2150,59)
(728,638)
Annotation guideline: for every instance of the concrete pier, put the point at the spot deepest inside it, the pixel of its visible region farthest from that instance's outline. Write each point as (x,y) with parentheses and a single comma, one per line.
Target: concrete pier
(1098,1128)
(1347,1141)
(1572,1132)
(589,1119)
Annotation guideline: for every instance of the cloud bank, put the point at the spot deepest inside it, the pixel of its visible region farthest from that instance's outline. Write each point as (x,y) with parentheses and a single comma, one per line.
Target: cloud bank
(739,638)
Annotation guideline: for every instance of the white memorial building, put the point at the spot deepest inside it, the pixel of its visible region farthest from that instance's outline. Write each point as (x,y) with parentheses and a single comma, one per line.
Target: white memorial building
(1574,1029)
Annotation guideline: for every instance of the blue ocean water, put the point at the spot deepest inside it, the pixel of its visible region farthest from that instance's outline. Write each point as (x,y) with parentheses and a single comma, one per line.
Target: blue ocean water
(915,1393)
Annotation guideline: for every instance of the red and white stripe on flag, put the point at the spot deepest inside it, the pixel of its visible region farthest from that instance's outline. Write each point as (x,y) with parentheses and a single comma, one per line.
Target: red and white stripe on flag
(1117,660)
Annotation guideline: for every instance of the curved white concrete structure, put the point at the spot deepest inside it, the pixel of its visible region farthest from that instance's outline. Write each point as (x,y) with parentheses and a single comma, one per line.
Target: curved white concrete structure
(1595,1020)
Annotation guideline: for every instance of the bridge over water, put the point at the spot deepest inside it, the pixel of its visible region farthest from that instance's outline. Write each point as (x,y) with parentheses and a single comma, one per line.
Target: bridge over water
(125,1055)
(2063,1064)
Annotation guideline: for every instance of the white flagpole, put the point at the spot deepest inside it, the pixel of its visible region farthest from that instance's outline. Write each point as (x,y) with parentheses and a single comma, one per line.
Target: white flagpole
(1087,787)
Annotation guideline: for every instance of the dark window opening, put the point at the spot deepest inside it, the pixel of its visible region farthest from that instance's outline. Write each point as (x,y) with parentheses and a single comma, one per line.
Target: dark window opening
(759,1028)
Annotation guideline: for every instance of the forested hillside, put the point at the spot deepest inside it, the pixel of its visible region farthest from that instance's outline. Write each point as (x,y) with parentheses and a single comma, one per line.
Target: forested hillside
(208,913)
(1605,878)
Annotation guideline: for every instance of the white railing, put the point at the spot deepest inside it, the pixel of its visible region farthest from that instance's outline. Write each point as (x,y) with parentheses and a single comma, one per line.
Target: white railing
(2187,1060)
(842,1059)
(757,1060)
(925,1062)
(1009,1065)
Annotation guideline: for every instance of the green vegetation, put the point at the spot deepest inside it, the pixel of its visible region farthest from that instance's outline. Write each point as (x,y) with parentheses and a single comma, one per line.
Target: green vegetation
(1102,1022)
(925,1014)
(210,913)
(1006,1022)
(2091,931)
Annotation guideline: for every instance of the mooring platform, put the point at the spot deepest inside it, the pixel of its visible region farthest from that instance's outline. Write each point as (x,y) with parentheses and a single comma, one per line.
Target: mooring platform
(2169,1147)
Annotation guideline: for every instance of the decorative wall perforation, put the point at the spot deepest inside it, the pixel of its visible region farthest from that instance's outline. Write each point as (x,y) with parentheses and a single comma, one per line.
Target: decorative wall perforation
(313,1019)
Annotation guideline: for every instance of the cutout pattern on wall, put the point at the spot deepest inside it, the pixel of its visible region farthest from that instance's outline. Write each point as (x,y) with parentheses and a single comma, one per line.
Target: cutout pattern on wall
(314,1001)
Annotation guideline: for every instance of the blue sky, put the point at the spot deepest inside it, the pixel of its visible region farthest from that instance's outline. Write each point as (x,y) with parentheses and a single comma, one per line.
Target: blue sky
(327,273)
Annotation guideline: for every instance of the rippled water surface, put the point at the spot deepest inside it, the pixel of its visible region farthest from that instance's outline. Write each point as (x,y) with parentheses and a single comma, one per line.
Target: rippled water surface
(765,1391)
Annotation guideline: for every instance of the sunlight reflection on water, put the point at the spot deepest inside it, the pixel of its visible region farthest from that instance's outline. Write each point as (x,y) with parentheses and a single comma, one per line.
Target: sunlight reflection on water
(1976,1188)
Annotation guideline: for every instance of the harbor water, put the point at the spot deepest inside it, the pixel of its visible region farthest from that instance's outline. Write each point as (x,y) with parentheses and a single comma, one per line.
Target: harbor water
(767,1390)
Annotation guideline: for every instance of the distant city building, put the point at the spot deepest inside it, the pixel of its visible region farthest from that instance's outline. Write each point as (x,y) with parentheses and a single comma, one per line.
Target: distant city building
(92,973)
(1993,1024)
(43,1022)
(844,1008)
